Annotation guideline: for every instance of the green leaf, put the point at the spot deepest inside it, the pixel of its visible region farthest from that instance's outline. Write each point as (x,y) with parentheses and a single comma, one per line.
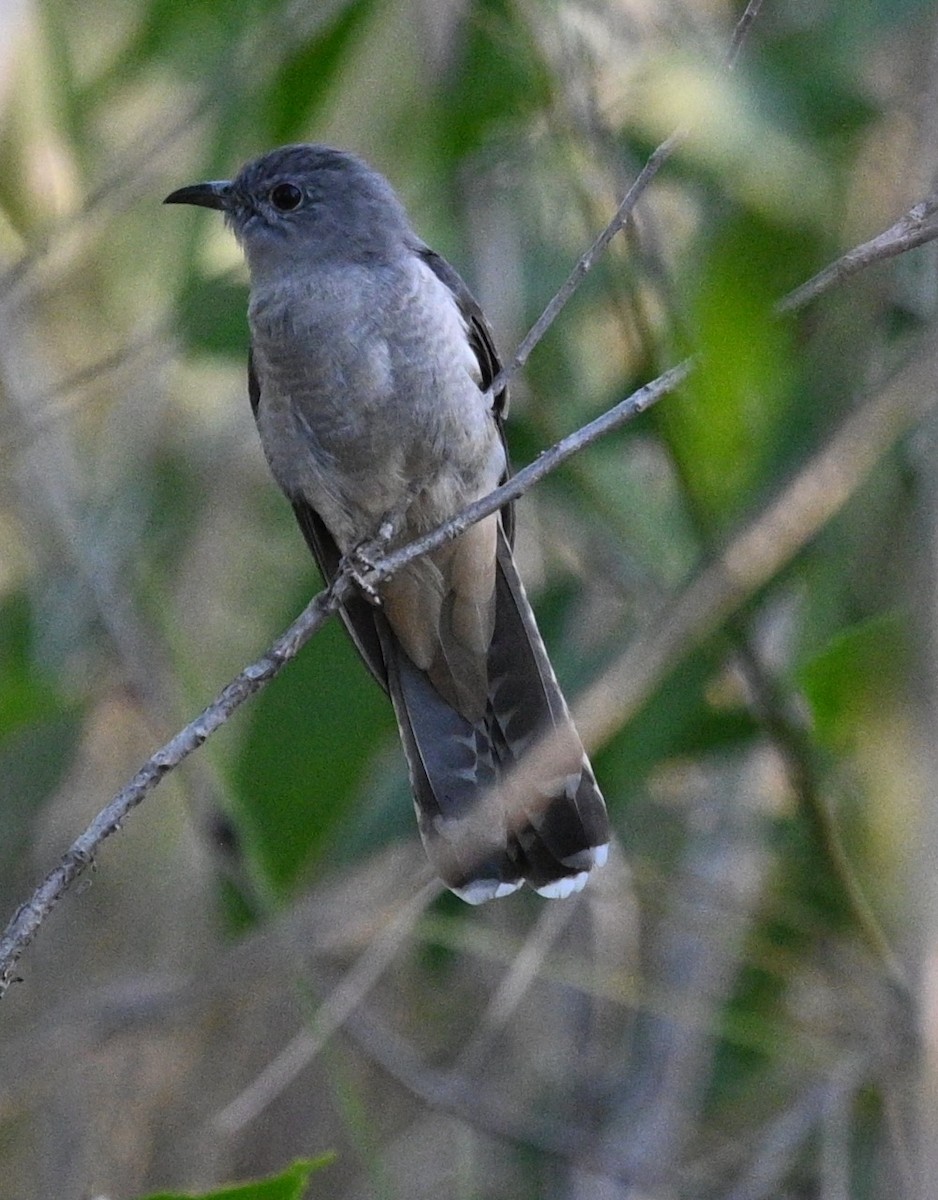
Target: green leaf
(38,730)
(212,316)
(733,427)
(291,1184)
(498,83)
(298,91)
(847,683)
(311,745)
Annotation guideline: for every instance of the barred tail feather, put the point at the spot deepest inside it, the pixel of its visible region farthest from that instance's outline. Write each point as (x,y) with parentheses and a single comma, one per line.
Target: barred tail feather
(492,815)
(559,816)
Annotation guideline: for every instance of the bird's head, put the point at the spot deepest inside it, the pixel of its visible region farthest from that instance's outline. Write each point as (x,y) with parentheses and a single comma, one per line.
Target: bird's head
(306,204)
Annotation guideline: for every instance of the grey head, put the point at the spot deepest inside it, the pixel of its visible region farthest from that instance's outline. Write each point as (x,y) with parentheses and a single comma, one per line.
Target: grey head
(306,204)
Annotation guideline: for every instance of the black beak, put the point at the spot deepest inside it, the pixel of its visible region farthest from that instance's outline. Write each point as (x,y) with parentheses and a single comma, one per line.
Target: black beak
(206,195)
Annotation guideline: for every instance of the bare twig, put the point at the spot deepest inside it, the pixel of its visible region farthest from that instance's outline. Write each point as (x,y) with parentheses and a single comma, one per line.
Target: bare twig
(328,1017)
(741,32)
(26,921)
(587,260)
(622,217)
(913,229)
(626,410)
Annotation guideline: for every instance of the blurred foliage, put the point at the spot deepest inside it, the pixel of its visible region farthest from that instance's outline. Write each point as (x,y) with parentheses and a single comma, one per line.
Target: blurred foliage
(38,731)
(736,982)
(304,762)
(291,1184)
(728,434)
(843,684)
(497,83)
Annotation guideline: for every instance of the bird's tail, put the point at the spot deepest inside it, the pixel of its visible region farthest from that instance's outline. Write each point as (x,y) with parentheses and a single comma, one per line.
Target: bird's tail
(510,798)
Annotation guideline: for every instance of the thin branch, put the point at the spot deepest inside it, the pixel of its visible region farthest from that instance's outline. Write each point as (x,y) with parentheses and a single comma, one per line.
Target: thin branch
(910,231)
(626,410)
(741,32)
(622,217)
(329,1016)
(26,921)
(587,260)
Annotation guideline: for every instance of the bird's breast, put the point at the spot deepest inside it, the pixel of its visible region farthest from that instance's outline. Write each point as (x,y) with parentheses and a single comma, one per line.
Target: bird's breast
(369,398)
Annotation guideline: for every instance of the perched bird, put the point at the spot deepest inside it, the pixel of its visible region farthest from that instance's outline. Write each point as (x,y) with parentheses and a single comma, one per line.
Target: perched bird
(369,372)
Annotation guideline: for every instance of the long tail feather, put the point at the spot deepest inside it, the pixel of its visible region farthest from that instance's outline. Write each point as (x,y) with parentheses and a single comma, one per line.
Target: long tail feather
(492,815)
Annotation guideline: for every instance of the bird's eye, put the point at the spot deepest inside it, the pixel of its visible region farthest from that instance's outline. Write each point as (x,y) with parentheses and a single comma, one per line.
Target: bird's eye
(286,197)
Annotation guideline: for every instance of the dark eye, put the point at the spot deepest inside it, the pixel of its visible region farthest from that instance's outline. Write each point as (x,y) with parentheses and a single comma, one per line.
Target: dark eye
(286,197)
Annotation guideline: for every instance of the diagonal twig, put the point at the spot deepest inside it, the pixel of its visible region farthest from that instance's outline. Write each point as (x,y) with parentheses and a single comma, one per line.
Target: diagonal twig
(620,219)
(913,229)
(329,1016)
(741,32)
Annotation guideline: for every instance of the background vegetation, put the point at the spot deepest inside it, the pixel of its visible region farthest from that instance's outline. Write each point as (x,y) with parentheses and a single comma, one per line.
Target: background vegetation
(743,1002)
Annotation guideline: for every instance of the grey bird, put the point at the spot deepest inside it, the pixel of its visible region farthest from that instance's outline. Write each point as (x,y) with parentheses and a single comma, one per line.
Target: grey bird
(369,373)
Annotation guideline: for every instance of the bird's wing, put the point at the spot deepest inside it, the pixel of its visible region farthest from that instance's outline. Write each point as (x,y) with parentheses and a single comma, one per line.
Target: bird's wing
(482,341)
(357,614)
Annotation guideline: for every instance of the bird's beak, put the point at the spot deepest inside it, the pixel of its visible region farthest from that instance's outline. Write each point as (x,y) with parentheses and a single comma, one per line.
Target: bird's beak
(206,195)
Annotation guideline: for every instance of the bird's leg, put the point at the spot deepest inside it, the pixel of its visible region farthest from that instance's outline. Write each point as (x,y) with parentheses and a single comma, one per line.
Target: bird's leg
(362,558)
(359,562)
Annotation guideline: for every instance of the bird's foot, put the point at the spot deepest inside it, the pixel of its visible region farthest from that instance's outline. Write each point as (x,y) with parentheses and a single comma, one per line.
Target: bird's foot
(371,549)
(358,565)
(362,559)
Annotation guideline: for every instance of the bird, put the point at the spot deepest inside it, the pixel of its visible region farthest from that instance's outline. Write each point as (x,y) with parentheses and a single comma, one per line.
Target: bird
(369,374)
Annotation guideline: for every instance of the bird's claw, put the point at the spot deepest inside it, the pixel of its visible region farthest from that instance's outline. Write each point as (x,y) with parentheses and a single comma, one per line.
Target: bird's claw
(362,559)
(367,553)
(358,566)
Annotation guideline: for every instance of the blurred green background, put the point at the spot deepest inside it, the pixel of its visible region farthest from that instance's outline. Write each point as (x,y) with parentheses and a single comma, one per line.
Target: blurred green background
(742,1002)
